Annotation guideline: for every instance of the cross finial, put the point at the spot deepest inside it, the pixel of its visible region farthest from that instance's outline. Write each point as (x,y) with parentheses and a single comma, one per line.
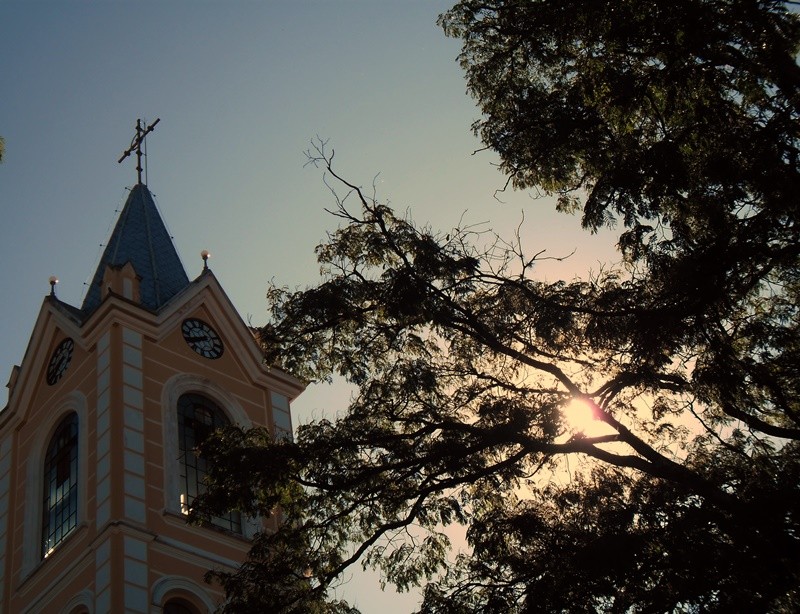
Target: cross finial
(136,145)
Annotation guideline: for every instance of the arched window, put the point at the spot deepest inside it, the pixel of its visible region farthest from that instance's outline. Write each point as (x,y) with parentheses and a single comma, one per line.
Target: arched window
(60,496)
(179,595)
(82,603)
(198,417)
(179,606)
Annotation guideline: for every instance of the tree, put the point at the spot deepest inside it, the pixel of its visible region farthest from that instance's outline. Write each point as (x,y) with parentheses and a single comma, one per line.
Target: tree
(675,122)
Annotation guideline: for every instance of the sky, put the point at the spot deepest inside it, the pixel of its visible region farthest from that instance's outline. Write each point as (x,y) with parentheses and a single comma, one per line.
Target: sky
(240,88)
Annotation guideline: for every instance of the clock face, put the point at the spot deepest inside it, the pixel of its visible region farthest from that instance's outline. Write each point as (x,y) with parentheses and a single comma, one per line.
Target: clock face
(59,361)
(202,338)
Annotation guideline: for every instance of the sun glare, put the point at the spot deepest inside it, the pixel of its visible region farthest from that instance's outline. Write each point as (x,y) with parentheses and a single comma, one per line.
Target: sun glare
(581,418)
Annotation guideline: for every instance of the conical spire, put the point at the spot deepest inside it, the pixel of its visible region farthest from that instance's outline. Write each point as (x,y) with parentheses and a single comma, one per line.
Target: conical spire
(141,239)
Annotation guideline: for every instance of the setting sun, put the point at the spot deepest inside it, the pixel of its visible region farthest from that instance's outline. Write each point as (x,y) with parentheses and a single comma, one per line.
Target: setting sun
(581,418)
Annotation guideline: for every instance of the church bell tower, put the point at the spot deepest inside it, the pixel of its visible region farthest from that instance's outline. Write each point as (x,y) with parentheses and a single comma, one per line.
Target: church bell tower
(97,462)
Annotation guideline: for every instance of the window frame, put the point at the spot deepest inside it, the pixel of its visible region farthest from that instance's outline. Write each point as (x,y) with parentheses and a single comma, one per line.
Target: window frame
(83,602)
(167,588)
(192,467)
(72,402)
(173,389)
(60,485)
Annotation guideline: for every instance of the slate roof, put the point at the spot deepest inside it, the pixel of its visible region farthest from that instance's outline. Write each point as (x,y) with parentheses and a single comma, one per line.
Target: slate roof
(141,238)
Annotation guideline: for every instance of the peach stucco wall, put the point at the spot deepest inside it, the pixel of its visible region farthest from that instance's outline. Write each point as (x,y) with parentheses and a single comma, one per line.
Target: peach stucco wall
(132,548)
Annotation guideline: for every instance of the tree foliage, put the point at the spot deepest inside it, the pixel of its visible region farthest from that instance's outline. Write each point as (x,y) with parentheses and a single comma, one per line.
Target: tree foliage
(675,123)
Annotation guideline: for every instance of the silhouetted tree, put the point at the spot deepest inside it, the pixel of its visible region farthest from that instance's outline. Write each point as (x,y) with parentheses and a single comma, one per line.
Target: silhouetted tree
(675,122)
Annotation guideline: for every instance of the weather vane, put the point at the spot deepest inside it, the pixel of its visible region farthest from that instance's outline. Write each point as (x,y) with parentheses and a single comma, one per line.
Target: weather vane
(136,145)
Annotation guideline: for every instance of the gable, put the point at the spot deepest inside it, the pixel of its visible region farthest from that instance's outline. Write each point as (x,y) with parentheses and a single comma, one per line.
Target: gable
(56,360)
(224,346)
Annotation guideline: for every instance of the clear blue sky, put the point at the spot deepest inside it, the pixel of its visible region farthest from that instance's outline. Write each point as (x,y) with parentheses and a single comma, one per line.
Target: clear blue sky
(240,88)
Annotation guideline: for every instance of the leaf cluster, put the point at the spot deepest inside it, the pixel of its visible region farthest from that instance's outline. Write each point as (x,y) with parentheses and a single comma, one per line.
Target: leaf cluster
(678,121)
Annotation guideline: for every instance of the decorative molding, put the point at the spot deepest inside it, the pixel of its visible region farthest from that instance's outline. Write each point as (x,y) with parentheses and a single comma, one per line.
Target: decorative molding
(71,402)
(102,578)
(133,432)
(103,432)
(83,599)
(135,571)
(174,388)
(165,585)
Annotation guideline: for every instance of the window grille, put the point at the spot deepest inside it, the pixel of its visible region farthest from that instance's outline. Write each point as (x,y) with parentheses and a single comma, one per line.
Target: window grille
(60,496)
(198,417)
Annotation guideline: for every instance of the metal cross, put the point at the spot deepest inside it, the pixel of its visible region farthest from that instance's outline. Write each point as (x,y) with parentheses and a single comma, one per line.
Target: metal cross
(136,145)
